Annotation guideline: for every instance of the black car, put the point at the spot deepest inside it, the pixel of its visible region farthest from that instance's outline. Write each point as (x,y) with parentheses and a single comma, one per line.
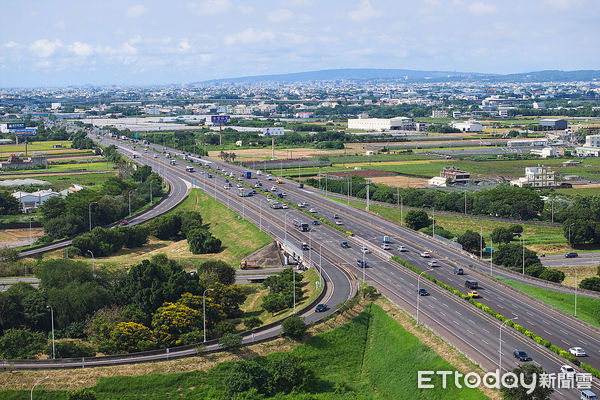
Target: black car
(458,271)
(521,355)
(345,245)
(571,254)
(423,292)
(321,308)
(315,222)
(361,263)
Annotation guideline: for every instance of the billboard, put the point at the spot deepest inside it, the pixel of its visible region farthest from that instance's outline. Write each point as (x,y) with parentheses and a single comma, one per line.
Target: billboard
(15,125)
(26,132)
(273,131)
(219,119)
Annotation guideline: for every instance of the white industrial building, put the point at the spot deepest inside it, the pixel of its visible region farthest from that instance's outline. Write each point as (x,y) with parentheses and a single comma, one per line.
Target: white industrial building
(544,152)
(591,147)
(381,124)
(34,199)
(468,126)
(527,142)
(539,176)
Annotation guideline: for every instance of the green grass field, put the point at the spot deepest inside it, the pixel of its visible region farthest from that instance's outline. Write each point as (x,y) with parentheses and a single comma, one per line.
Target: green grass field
(35,146)
(588,309)
(239,237)
(92,166)
(371,357)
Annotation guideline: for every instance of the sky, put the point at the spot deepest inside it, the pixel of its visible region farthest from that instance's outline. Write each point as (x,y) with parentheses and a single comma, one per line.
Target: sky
(124,42)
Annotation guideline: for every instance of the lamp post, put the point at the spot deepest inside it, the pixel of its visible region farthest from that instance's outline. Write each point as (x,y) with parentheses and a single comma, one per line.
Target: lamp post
(260,214)
(37,383)
(294,288)
(30,240)
(500,343)
(570,247)
(52,322)
(522,239)
(321,261)
(90,213)
(285,226)
(204,311)
(419,287)
(575,314)
(129,197)
(93,262)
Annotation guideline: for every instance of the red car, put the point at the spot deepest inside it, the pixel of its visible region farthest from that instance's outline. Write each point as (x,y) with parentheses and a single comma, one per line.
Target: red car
(124,222)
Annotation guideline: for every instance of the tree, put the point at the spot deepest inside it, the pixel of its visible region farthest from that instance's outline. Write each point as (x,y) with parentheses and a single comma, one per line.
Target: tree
(552,275)
(231,341)
(216,271)
(100,325)
(592,283)
(66,225)
(294,327)
(9,204)
(68,348)
(516,228)
(189,220)
(82,394)
(501,235)
(21,344)
(519,392)
(417,219)
(135,236)
(173,320)
(58,273)
(165,227)
(202,242)
(511,255)
(579,230)
(471,241)
(127,336)
(252,322)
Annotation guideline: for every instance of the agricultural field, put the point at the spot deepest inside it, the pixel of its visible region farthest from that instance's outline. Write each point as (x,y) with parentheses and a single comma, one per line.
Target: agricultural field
(68,167)
(371,356)
(7,149)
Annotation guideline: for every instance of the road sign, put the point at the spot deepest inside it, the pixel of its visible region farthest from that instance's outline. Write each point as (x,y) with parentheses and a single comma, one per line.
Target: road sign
(220,119)
(15,125)
(278,131)
(489,249)
(26,132)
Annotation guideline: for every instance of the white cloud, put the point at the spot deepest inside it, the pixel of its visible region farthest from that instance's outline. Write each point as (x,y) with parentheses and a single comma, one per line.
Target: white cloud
(280,15)
(45,48)
(249,35)
(137,11)
(184,46)
(480,8)
(564,4)
(210,7)
(81,49)
(365,11)
(9,45)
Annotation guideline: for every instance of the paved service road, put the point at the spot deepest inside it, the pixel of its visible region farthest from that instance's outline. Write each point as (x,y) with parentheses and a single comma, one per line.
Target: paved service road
(561,260)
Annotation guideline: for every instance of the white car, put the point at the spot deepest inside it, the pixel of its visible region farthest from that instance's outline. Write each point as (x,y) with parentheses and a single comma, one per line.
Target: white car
(433,263)
(300,204)
(273,188)
(567,369)
(577,351)
(425,254)
(312,210)
(365,250)
(402,248)
(284,206)
(385,246)
(338,222)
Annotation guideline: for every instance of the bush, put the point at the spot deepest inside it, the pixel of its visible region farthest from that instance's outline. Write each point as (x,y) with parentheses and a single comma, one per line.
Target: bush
(70,349)
(202,242)
(192,337)
(231,341)
(21,344)
(82,394)
(252,322)
(592,283)
(294,327)
(553,275)
(417,219)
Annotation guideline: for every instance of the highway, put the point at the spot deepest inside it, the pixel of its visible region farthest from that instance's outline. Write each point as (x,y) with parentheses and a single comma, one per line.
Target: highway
(561,260)
(467,328)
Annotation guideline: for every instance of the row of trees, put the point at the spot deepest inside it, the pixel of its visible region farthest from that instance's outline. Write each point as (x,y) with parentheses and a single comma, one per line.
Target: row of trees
(185,224)
(155,304)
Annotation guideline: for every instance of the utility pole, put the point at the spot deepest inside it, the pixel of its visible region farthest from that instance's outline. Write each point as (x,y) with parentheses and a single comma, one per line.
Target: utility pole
(368,184)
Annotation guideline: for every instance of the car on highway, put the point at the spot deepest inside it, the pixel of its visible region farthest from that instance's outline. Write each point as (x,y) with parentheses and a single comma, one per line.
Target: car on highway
(312,210)
(423,292)
(156,156)
(365,250)
(239,185)
(258,184)
(567,370)
(284,206)
(433,263)
(321,307)
(402,248)
(577,351)
(521,355)
(385,246)
(209,176)
(338,222)
(305,246)
(335,216)
(315,222)
(124,222)
(571,254)
(362,263)
(302,204)
(269,178)
(458,271)
(345,245)
(473,294)
(425,254)
(472,284)
(588,395)
(283,194)
(227,186)
(273,188)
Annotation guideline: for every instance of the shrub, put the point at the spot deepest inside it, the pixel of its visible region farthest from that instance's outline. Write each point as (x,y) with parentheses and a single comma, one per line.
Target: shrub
(82,394)
(231,341)
(252,322)
(592,283)
(294,327)
(70,349)
(21,343)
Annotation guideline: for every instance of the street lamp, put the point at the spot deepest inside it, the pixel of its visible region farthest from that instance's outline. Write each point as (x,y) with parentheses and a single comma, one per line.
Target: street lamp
(204,310)
(570,247)
(522,239)
(93,262)
(419,287)
(52,322)
(260,214)
(321,261)
(90,213)
(575,314)
(129,196)
(500,343)
(285,226)
(37,383)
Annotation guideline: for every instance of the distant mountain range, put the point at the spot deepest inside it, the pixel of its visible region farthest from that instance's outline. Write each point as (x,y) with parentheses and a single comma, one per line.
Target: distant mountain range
(406,75)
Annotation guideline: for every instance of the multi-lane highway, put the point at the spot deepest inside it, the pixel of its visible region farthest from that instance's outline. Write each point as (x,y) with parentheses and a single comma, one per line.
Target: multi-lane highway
(461,324)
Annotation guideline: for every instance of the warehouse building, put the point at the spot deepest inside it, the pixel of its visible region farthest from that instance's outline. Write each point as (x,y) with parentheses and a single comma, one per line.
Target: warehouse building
(468,126)
(553,124)
(382,124)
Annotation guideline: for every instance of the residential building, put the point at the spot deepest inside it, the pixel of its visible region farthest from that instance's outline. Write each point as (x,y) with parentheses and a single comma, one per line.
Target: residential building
(468,126)
(544,152)
(439,114)
(34,199)
(456,175)
(591,147)
(304,114)
(437,181)
(537,177)
(592,140)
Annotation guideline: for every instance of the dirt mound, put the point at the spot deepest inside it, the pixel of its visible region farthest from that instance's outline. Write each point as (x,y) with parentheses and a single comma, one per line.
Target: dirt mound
(268,256)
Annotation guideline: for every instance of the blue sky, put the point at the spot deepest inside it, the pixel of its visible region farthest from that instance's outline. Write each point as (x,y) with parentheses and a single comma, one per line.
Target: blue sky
(58,43)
